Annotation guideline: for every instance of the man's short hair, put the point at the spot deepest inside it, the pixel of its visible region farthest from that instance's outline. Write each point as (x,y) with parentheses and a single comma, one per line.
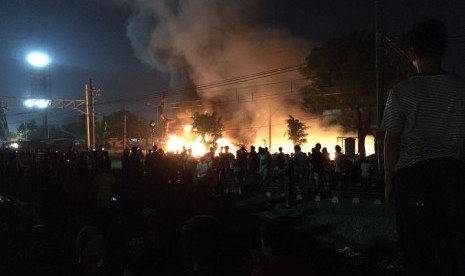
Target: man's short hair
(427,38)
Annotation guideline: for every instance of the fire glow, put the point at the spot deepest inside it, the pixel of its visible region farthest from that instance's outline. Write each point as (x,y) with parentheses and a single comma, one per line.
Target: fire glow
(177,44)
(188,140)
(177,144)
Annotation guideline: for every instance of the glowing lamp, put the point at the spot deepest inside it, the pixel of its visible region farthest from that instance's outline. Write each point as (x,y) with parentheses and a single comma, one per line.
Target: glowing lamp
(39,103)
(29,103)
(37,59)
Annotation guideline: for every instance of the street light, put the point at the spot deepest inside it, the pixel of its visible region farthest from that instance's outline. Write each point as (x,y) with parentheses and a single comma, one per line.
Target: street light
(38,103)
(38,59)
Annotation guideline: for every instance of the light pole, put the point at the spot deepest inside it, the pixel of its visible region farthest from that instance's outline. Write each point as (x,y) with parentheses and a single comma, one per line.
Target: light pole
(40,85)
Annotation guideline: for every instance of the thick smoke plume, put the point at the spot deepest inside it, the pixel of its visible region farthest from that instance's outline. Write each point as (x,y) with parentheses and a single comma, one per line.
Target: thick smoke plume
(203,41)
(210,40)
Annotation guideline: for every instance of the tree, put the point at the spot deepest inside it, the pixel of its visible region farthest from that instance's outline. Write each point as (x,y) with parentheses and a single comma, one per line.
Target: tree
(76,128)
(296,131)
(343,80)
(4,131)
(112,125)
(29,131)
(209,127)
(13,135)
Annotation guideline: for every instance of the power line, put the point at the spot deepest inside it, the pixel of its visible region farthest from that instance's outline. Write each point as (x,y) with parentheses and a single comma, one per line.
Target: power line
(251,76)
(251,98)
(237,129)
(212,85)
(263,98)
(215,84)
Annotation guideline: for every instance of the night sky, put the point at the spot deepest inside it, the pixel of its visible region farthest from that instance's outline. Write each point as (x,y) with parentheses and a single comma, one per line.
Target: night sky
(91,39)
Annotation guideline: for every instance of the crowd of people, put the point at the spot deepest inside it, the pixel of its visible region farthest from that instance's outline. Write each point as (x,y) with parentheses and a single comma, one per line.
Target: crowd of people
(251,172)
(134,206)
(163,213)
(32,174)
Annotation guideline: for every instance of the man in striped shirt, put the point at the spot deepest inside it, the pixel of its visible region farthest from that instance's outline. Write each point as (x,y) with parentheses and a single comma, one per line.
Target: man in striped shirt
(424,122)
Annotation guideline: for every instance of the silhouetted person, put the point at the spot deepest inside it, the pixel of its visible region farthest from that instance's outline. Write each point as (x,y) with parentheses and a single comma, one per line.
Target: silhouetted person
(264,169)
(317,159)
(423,157)
(241,167)
(252,168)
(341,164)
(280,164)
(280,161)
(300,170)
(201,174)
(149,164)
(134,163)
(125,160)
(226,164)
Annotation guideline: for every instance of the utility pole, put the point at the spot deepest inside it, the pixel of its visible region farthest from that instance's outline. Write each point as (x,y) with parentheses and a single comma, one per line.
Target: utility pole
(155,124)
(92,91)
(379,81)
(124,128)
(87,116)
(90,113)
(269,129)
(25,129)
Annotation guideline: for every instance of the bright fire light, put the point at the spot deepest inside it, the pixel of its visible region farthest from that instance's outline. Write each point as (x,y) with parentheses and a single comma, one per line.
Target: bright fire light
(187,128)
(176,144)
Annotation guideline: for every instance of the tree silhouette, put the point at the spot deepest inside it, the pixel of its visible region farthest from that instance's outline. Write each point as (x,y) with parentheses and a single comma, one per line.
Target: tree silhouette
(112,125)
(30,130)
(296,131)
(343,80)
(209,127)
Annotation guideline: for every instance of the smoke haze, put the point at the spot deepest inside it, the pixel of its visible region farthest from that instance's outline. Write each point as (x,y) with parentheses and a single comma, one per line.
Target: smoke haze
(210,39)
(200,42)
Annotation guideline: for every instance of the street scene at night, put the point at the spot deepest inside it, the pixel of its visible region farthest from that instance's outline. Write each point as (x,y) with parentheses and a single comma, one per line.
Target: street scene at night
(221,137)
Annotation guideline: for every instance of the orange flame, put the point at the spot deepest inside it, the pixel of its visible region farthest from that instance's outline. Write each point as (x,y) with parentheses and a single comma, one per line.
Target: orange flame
(177,143)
